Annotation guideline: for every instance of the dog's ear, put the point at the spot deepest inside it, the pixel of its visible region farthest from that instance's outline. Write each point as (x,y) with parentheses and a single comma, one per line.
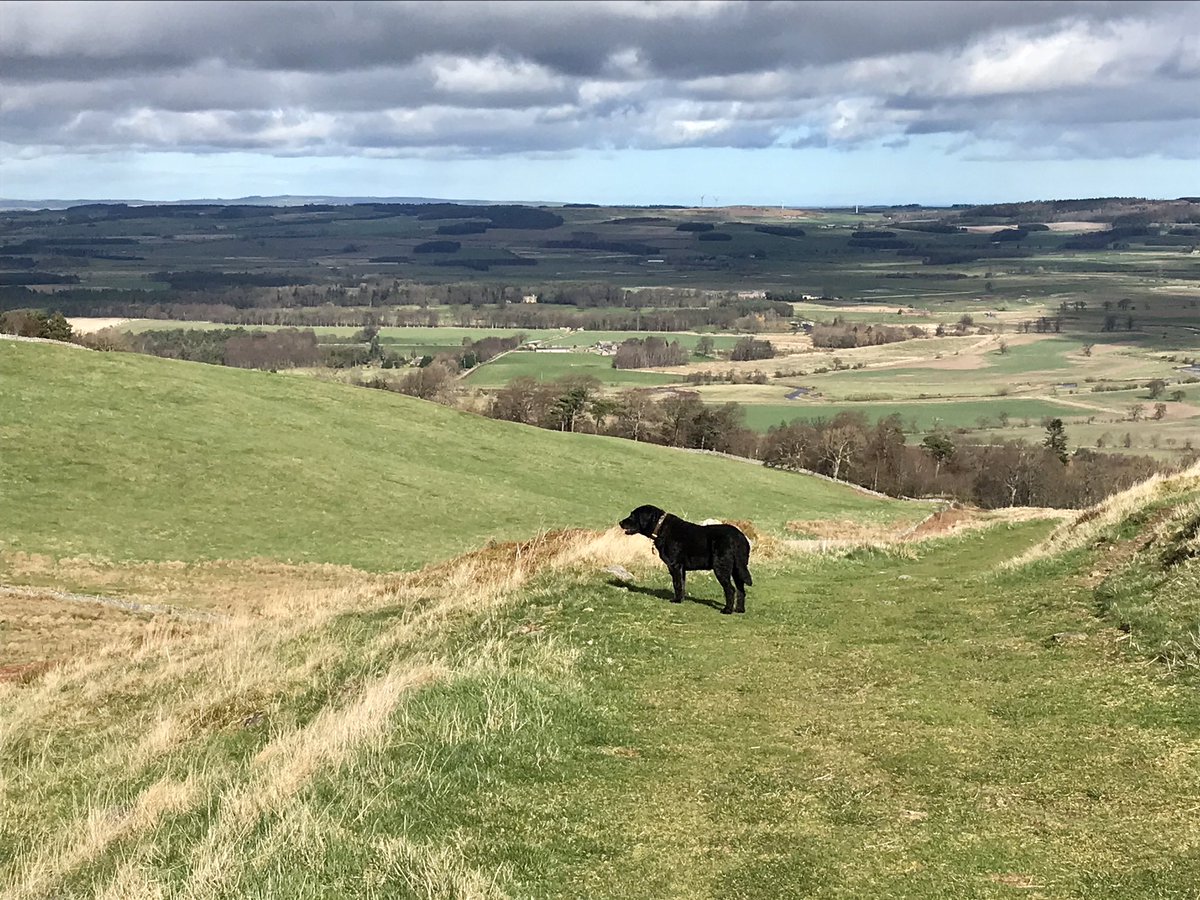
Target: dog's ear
(649,516)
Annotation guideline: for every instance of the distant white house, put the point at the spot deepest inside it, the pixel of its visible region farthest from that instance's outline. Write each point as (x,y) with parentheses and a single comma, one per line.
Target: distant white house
(752,295)
(541,347)
(530,298)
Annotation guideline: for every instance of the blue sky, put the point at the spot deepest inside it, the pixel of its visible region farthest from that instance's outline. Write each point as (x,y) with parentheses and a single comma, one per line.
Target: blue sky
(762,103)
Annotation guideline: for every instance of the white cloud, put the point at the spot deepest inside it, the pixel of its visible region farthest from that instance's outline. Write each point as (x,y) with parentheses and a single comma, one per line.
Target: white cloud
(482,78)
(492,74)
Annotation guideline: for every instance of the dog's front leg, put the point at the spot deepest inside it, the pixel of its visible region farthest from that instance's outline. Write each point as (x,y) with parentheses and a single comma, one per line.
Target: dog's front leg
(678,578)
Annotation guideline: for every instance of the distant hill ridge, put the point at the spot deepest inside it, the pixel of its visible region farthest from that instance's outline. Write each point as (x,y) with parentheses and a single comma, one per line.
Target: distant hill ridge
(253,200)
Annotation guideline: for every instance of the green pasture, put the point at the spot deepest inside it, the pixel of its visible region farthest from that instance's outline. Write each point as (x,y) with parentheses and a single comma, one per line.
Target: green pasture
(916,417)
(550,366)
(132,457)
(1044,365)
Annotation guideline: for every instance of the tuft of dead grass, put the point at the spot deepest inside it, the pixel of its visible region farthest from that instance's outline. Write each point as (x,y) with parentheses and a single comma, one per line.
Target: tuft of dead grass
(429,872)
(98,828)
(499,568)
(1083,528)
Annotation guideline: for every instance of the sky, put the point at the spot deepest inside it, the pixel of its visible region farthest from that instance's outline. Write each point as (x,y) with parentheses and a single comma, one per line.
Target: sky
(690,103)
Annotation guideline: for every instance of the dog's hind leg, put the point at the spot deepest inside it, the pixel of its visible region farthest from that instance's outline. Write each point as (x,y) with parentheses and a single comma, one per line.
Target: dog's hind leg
(727,586)
(679,580)
(741,590)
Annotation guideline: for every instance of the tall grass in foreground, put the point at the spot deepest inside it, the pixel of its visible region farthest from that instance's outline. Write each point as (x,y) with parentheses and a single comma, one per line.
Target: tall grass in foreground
(189,762)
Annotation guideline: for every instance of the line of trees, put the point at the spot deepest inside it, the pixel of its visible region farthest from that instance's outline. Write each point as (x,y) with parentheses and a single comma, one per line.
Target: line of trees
(749,349)
(315,307)
(35,323)
(288,348)
(642,353)
(846,447)
(842,335)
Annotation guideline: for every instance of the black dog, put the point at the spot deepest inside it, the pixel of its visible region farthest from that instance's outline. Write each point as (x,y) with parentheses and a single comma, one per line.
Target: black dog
(687,547)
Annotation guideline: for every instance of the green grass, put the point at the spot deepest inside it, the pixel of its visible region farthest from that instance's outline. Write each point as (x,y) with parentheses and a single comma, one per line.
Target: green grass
(879,724)
(1156,597)
(549,366)
(1041,366)
(874,726)
(921,416)
(1041,356)
(133,457)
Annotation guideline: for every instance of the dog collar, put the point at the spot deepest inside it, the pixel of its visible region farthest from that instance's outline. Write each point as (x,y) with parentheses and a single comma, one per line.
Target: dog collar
(658,525)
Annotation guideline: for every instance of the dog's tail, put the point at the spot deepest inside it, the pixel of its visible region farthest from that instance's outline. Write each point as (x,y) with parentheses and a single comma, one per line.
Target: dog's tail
(744,571)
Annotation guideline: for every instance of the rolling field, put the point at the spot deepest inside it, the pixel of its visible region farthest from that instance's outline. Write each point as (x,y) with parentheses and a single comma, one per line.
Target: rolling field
(979,369)
(917,417)
(955,382)
(131,457)
(549,366)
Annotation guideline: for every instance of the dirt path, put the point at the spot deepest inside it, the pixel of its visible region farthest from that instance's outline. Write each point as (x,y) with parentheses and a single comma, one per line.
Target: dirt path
(131,606)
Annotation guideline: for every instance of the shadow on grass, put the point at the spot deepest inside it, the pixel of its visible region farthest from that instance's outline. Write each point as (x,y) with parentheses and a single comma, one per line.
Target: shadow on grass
(664,594)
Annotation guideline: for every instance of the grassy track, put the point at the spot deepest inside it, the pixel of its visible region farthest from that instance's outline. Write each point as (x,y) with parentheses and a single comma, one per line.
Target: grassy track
(874,727)
(133,457)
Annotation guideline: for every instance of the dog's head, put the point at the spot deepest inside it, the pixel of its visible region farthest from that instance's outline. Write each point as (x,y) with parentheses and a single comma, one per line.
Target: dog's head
(642,520)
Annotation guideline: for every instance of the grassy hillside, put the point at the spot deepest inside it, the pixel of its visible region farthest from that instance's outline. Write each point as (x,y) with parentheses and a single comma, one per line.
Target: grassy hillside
(1009,712)
(1145,543)
(519,724)
(133,457)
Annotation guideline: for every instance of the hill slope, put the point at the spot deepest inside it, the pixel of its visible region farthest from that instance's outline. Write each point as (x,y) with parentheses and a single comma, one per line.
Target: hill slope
(516,723)
(132,457)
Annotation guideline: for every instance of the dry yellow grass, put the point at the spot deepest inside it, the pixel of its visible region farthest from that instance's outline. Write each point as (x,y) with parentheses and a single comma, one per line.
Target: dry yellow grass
(290,761)
(95,830)
(177,684)
(836,537)
(430,872)
(226,586)
(40,628)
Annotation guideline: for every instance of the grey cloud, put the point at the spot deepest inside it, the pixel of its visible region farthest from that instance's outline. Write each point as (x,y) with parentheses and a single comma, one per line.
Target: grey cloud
(679,41)
(521,77)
